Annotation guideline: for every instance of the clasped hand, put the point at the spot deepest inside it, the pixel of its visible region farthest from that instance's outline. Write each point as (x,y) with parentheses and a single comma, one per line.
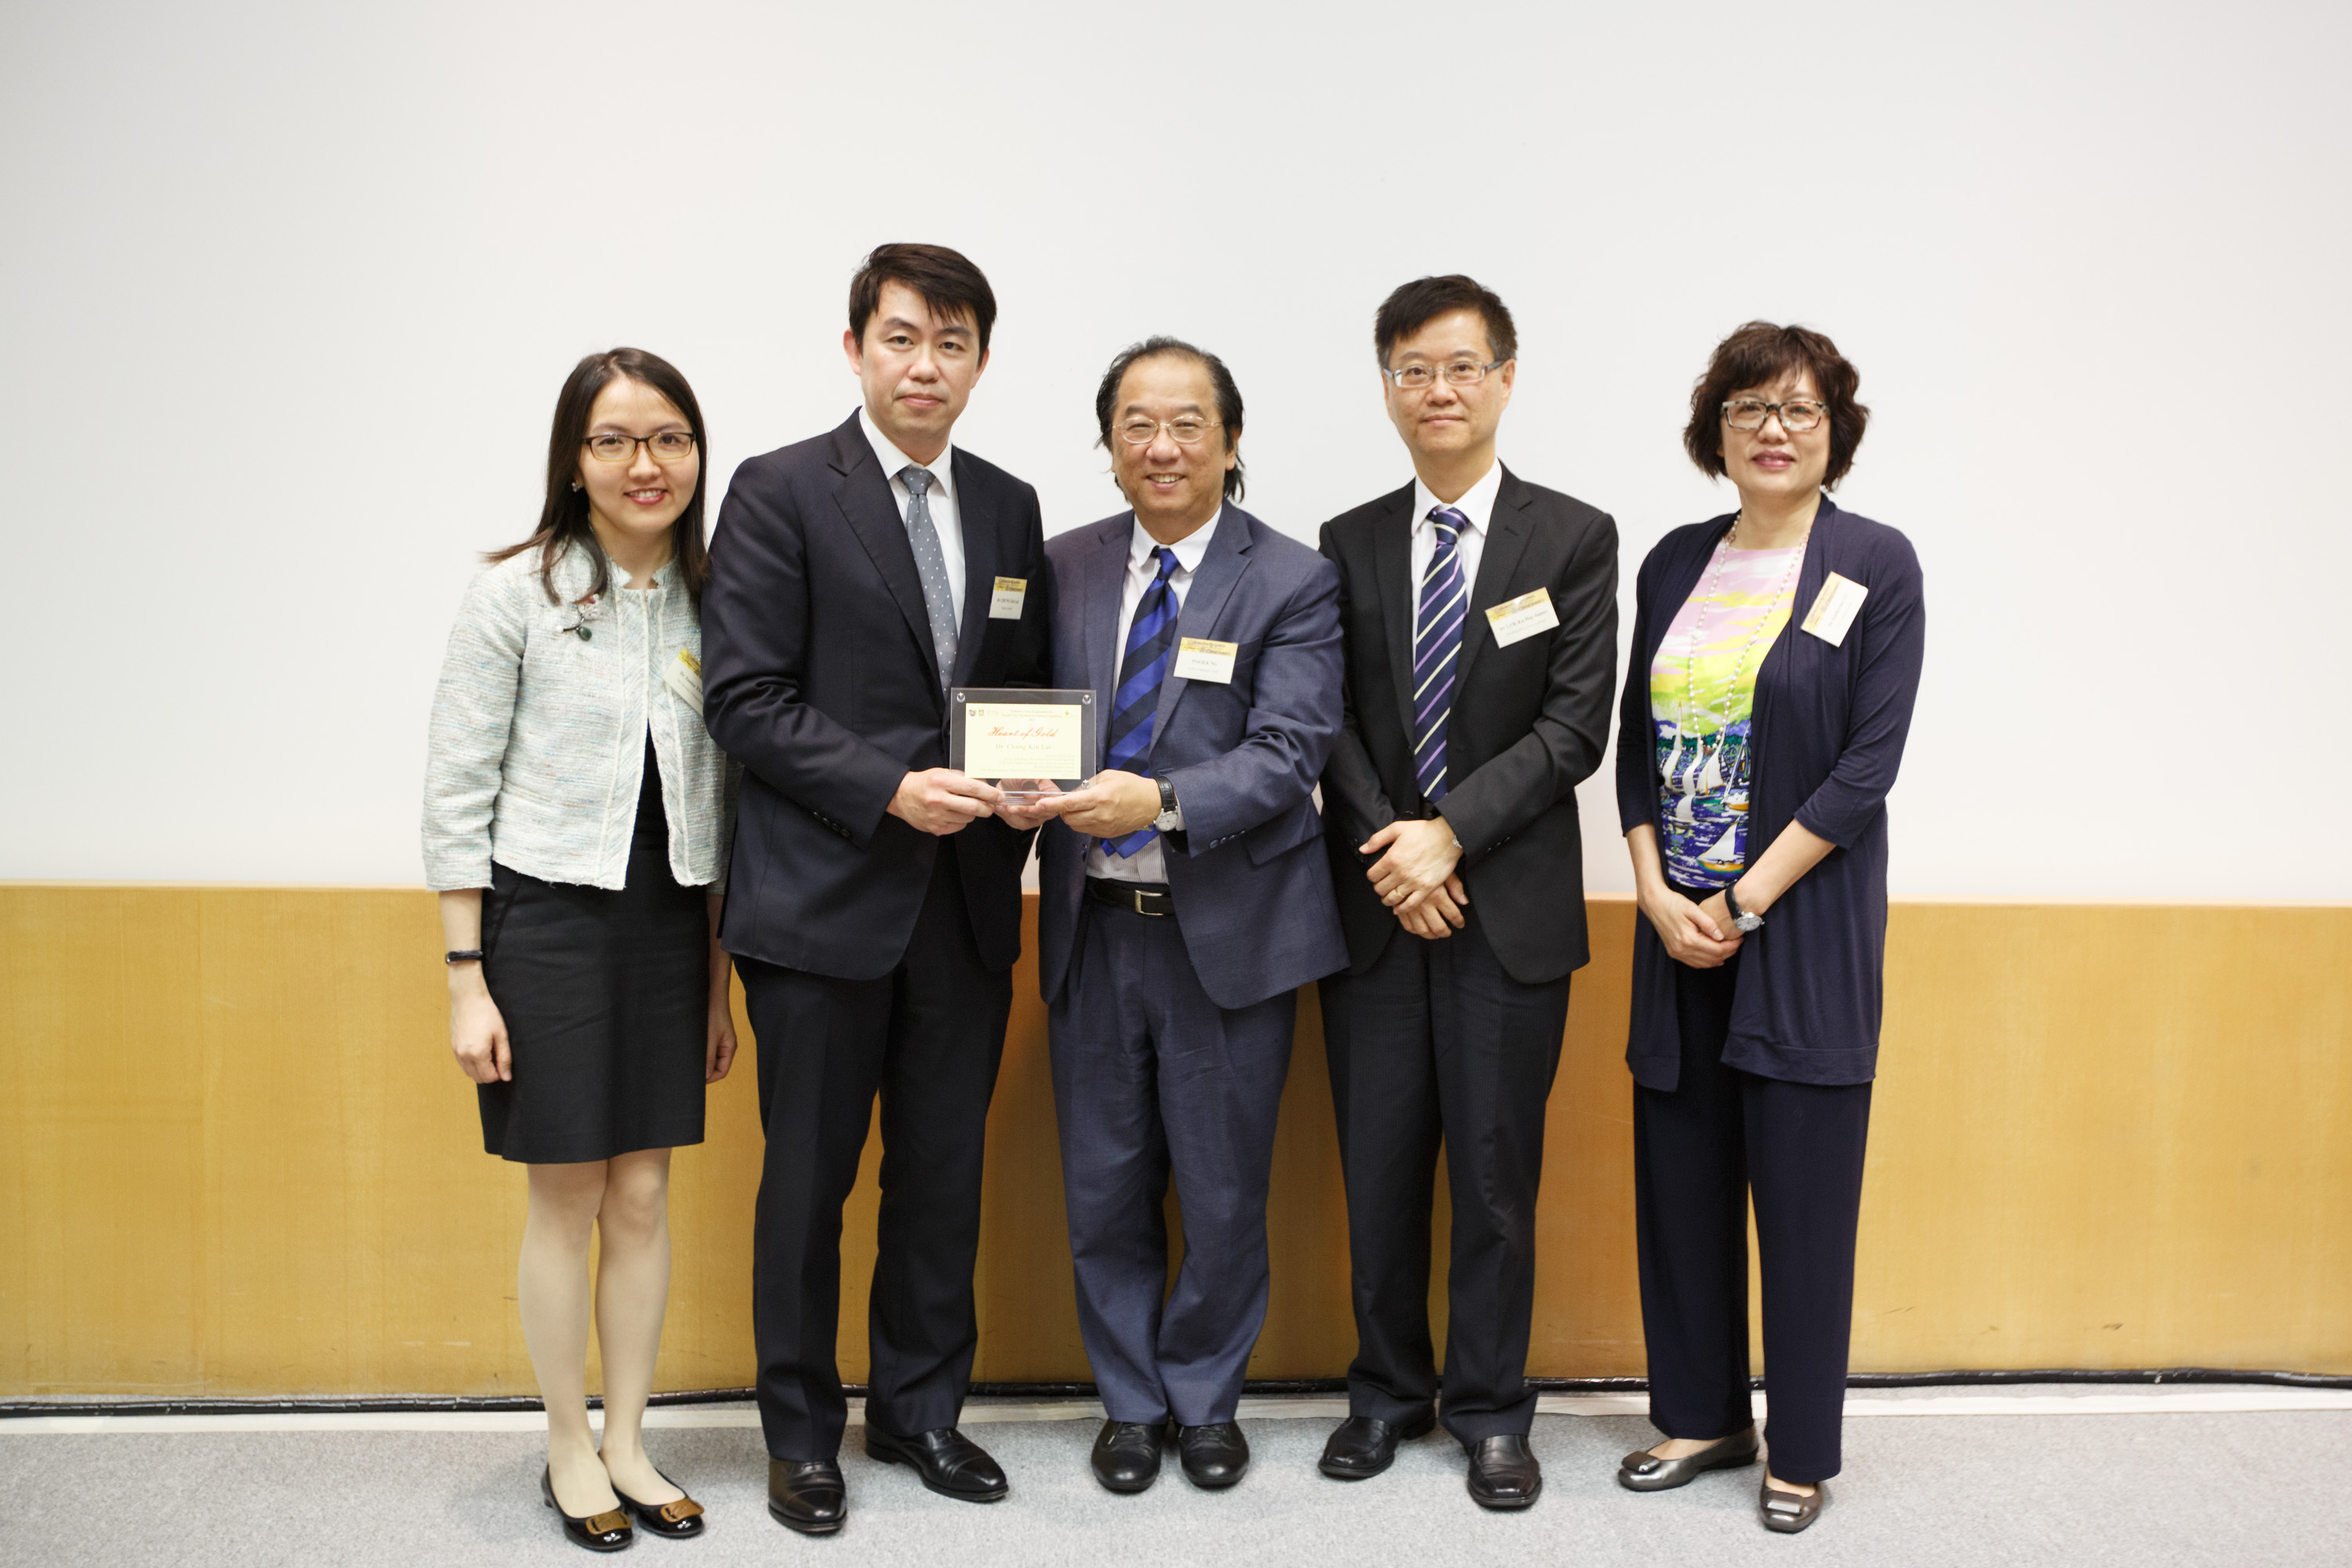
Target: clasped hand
(1700,936)
(1112,803)
(1415,875)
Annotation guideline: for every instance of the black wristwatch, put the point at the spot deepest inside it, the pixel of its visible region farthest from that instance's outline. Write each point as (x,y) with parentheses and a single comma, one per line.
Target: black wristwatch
(462,955)
(1166,821)
(1741,922)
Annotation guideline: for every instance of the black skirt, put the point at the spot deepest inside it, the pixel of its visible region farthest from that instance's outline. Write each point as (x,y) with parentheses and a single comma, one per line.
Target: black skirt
(605,997)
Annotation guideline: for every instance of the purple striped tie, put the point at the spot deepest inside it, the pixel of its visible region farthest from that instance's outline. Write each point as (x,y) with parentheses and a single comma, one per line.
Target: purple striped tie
(1444,602)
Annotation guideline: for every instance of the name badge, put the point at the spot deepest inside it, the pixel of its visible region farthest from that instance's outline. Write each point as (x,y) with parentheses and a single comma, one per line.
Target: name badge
(1514,620)
(1834,612)
(1010,592)
(683,676)
(1198,659)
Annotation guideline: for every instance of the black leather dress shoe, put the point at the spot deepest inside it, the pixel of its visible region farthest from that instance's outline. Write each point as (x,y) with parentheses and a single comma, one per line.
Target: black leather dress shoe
(1643,1471)
(949,1463)
(1214,1457)
(605,1531)
(1503,1473)
(1127,1454)
(1786,1512)
(678,1519)
(1364,1445)
(807,1495)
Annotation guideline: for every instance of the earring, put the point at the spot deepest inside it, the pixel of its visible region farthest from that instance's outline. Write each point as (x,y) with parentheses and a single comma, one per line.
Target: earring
(576,484)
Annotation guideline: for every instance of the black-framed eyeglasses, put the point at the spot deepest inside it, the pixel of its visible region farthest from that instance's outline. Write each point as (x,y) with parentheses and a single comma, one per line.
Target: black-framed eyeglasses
(1797,415)
(1457,373)
(667,446)
(1185,432)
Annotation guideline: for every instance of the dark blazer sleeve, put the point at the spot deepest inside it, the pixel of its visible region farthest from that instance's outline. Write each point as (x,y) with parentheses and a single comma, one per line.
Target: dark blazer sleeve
(1570,733)
(1293,720)
(755,625)
(1354,804)
(1893,626)
(1637,741)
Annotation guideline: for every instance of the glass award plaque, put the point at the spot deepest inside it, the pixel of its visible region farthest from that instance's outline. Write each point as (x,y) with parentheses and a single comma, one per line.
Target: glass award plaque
(1027,742)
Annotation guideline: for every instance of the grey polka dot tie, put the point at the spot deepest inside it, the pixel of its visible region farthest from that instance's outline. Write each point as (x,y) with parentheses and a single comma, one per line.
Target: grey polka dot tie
(938,598)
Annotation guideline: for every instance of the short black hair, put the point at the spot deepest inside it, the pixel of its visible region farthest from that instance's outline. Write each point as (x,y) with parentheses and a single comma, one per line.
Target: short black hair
(1416,304)
(1229,396)
(1757,355)
(950,284)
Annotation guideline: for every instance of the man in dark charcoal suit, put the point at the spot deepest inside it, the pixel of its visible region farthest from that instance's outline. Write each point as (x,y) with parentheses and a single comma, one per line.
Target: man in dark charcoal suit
(874,901)
(1183,900)
(1481,618)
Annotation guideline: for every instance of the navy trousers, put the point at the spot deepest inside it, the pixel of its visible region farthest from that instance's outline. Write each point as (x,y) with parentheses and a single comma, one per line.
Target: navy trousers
(926,1037)
(1699,1152)
(1435,1043)
(1151,1078)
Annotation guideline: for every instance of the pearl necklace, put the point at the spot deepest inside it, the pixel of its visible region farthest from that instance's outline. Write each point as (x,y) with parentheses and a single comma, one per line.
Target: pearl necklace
(1706,771)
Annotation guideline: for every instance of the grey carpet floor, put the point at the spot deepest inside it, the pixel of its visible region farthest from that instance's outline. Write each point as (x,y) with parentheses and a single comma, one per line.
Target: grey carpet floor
(2270,1488)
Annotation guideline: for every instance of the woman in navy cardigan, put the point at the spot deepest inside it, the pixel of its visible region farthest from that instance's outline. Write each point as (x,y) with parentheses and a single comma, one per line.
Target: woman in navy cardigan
(1776,659)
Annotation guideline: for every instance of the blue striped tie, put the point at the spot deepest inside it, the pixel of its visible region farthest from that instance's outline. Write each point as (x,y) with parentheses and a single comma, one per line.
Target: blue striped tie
(1151,642)
(1444,602)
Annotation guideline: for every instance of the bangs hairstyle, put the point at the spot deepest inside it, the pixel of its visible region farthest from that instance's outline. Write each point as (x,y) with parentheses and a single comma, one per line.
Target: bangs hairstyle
(1416,304)
(1759,355)
(564,517)
(950,284)
(1229,396)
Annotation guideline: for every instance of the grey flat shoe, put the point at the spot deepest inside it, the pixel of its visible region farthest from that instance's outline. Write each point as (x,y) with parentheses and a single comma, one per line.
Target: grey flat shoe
(1643,1471)
(1786,1512)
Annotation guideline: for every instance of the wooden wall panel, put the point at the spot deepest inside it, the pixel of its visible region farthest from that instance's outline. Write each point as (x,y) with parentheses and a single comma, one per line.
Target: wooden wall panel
(236,1158)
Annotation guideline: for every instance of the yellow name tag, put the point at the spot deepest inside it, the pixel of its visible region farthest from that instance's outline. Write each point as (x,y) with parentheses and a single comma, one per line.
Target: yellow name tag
(1514,620)
(1833,613)
(1198,659)
(1006,604)
(684,678)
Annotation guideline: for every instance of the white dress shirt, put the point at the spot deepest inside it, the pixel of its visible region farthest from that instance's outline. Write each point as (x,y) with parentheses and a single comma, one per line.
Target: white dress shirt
(942,495)
(1477,504)
(1148,864)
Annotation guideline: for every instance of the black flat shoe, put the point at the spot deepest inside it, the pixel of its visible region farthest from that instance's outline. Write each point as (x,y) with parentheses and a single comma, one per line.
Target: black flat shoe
(605,1531)
(949,1463)
(1361,1447)
(806,1495)
(1643,1471)
(1787,1513)
(678,1519)
(1503,1474)
(1127,1454)
(1214,1457)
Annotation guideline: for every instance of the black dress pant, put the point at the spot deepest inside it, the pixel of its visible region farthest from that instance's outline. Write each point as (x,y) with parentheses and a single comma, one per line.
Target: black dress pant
(1699,1152)
(928,1036)
(1434,1043)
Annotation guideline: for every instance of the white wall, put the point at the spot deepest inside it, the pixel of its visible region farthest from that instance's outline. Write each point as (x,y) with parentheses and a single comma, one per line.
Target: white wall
(285,292)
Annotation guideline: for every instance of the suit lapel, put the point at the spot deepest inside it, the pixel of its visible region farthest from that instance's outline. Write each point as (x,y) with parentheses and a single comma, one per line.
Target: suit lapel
(1106,578)
(1507,532)
(866,502)
(1204,600)
(1393,577)
(977,514)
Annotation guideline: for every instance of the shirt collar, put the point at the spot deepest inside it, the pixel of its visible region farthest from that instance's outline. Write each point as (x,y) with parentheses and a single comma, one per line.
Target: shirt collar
(664,574)
(1477,503)
(887,453)
(1189,550)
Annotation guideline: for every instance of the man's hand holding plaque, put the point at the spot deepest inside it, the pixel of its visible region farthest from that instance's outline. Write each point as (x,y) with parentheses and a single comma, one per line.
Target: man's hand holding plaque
(1030,747)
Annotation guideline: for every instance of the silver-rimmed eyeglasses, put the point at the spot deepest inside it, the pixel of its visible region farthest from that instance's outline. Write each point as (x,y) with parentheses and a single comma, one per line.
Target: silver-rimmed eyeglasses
(667,446)
(1184,432)
(1797,415)
(1457,373)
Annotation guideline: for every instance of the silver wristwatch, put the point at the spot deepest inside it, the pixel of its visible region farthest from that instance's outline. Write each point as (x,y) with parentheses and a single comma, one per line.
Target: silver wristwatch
(1741,921)
(1169,820)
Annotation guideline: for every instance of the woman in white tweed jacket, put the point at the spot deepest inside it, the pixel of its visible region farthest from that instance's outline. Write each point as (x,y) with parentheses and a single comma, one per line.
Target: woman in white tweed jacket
(576,825)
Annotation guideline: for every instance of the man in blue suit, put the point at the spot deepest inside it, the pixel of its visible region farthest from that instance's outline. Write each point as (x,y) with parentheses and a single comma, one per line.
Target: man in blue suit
(1184,896)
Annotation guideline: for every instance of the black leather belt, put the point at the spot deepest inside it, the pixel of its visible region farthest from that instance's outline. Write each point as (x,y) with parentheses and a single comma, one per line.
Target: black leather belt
(1139,897)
